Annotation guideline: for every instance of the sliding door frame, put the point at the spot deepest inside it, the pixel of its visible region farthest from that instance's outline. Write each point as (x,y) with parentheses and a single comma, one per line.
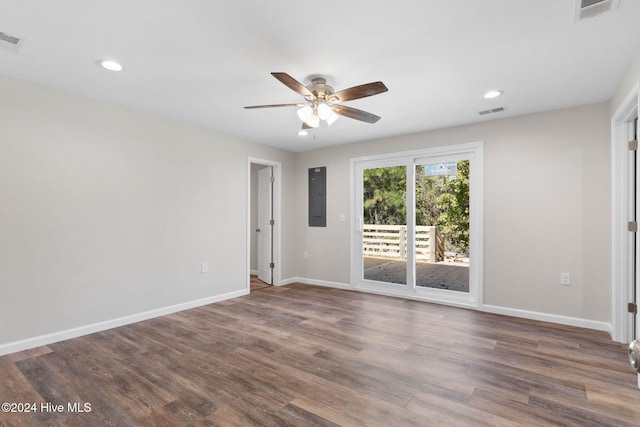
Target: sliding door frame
(474,152)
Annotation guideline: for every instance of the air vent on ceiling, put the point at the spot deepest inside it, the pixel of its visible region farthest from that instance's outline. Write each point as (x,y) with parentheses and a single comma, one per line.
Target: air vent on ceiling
(491,111)
(589,8)
(9,42)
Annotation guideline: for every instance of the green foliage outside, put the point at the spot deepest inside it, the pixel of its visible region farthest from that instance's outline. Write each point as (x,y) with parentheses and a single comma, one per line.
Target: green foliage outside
(441,201)
(384,195)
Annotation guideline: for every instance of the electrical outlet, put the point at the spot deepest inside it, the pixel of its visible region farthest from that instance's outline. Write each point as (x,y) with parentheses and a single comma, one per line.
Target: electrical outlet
(342,217)
(204,267)
(565,279)
(305,255)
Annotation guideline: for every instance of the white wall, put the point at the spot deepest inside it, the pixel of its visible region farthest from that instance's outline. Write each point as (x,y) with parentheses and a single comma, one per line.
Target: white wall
(629,80)
(106,212)
(546,209)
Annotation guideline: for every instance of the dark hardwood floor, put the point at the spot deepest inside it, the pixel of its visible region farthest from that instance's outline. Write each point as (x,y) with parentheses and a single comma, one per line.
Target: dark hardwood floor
(257,284)
(304,356)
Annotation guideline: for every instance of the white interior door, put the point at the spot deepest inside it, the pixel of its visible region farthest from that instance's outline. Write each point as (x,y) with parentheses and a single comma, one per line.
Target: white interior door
(636,261)
(634,241)
(634,251)
(265,225)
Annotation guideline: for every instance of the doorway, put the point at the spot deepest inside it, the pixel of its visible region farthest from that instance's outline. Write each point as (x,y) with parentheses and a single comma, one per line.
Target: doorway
(417,231)
(263,224)
(264,229)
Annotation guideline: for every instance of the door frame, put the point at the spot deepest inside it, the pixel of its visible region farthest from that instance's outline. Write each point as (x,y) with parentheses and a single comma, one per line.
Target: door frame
(476,151)
(621,326)
(277,217)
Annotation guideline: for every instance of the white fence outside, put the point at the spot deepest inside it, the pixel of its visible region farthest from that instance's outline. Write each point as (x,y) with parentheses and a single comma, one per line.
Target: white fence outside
(390,241)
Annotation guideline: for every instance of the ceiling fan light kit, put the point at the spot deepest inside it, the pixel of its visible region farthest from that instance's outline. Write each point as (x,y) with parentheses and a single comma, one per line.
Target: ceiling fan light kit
(324,111)
(322,103)
(314,112)
(309,116)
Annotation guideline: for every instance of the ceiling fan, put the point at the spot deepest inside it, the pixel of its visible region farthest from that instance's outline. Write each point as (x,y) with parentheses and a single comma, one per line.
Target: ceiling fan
(322,103)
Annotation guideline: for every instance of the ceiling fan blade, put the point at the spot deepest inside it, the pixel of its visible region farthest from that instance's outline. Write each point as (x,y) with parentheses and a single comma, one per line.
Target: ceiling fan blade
(250,107)
(305,126)
(361,91)
(293,84)
(354,113)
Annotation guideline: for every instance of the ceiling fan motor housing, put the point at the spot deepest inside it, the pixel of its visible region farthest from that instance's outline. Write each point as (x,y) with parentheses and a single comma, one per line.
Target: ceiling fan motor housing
(320,89)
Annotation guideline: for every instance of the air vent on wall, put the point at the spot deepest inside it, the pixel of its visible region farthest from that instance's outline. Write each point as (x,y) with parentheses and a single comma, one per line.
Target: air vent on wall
(589,8)
(9,42)
(491,111)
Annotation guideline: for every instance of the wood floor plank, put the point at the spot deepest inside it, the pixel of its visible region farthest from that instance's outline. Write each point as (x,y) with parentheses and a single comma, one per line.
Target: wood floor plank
(514,411)
(319,396)
(442,411)
(304,355)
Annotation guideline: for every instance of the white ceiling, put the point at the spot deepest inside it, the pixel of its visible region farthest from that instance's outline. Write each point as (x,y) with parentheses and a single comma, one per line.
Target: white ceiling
(201,61)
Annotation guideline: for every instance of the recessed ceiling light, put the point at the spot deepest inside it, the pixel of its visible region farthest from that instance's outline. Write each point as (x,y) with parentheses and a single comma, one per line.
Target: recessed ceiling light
(492,94)
(303,132)
(110,65)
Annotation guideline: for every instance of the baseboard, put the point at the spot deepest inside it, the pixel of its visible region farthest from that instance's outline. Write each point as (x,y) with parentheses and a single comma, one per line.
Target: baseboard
(553,318)
(533,315)
(253,272)
(324,283)
(29,343)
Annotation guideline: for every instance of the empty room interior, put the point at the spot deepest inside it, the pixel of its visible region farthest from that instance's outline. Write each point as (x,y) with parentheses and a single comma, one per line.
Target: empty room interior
(295,214)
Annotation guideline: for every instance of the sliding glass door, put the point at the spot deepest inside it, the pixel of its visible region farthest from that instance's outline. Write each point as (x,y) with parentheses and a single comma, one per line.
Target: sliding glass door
(384,224)
(416,231)
(442,223)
